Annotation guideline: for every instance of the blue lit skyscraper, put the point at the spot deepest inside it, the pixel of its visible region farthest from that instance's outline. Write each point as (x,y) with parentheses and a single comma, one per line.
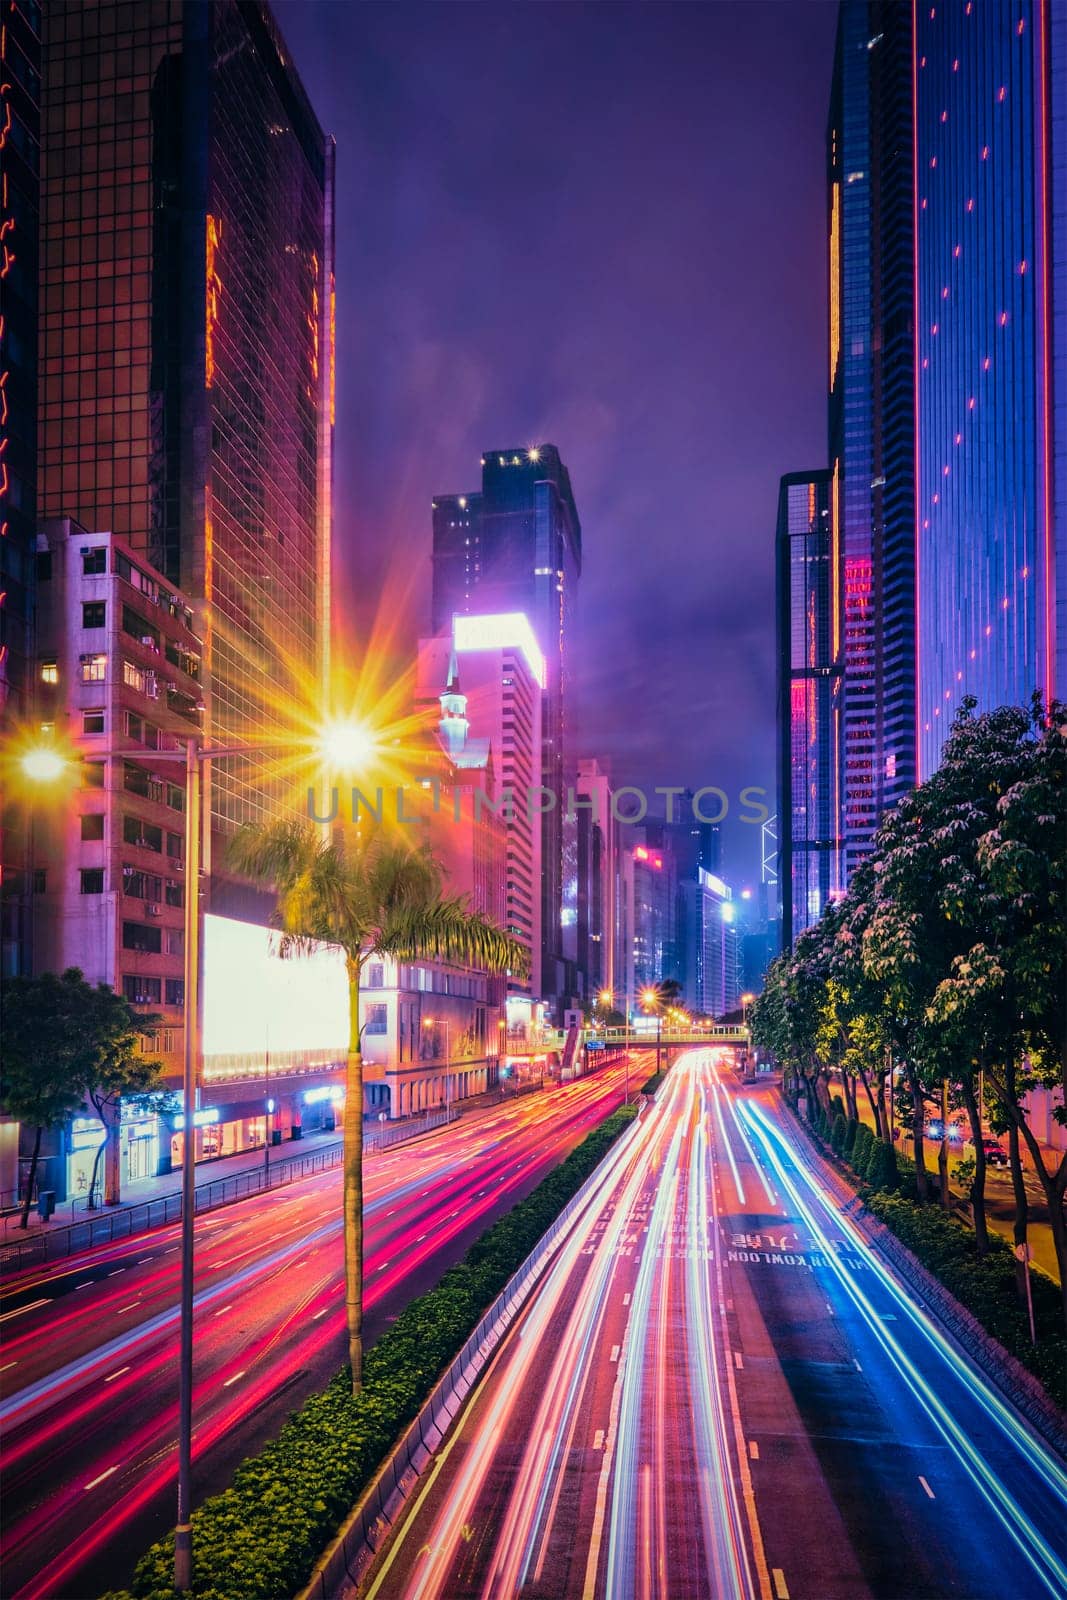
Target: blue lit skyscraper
(809,702)
(991,356)
(872,429)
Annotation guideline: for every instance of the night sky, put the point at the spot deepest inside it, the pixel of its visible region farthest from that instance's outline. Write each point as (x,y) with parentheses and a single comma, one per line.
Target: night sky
(601,226)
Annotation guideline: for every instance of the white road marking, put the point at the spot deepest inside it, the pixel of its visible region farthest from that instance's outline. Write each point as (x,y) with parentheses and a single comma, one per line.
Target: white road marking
(116,1272)
(626,1299)
(235,1377)
(101,1478)
(780,1587)
(116,1374)
(8,1366)
(319,1314)
(84,1285)
(856,1364)
(20,1309)
(223,1310)
(130,1307)
(598,1439)
(753,1449)
(926,1486)
(141,1260)
(739,1359)
(614,1352)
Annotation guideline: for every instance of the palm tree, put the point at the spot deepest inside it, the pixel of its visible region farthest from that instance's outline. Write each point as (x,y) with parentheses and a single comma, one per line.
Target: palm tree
(373,894)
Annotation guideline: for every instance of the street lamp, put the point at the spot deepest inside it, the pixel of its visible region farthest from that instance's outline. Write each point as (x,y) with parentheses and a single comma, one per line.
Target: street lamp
(45,764)
(651,1002)
(607,998)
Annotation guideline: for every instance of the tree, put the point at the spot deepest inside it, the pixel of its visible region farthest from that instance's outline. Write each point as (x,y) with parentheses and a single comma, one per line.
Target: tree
(372,894)
(118,1072)
(47,1053)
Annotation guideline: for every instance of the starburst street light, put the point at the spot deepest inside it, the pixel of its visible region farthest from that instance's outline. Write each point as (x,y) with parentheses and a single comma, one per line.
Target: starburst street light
(347,745)
(42,764)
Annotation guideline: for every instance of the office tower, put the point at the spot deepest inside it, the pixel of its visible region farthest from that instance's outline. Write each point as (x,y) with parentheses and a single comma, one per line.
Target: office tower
(991,351)
(515,546)
(649,883)
(492,675)
(186,336)
(869,169)
(20,60)
(710,972)
(598,849)
(809,627)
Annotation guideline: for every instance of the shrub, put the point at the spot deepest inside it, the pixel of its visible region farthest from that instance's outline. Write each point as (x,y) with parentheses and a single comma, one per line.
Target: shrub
(838,1130)
(882,1166)
(850,1138)
(260,1538)
(861,1148)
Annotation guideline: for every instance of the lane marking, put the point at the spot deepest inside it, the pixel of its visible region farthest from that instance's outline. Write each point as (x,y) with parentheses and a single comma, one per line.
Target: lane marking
(47,1301)
(223,1310)
(235,1377)
(116,1272)
(753,1449)
(738,1359)
(141,1260)
(780,1587)
(319,1314)
(927,1487)
(626,1299)
(8,1367)
(856,1364)
(101,1478)
(85,1285)
(614,1352)
(598,1439)
(130,1307)
(116,1374)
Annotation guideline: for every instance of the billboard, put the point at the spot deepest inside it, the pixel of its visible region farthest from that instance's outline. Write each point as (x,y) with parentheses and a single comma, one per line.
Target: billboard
(256,1002)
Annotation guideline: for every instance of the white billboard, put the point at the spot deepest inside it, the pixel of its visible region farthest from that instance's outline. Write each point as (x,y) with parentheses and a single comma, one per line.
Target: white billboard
(256,1002)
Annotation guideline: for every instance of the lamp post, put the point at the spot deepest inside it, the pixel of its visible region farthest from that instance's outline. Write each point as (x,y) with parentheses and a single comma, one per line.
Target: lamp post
(44,764)
(606,998)
(650,1001)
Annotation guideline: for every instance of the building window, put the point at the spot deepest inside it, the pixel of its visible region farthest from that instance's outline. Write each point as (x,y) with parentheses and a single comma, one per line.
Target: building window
(142,991)
(93,825)
(40,880)
(175,797)
(375,975)
(94,668)
(144,834)
(92,774)
(175,992)
(49,670)
(141,885)
(136,936)
(176,846)
(94,561)
(93,721)
(92,879)
(377,1019)
(44,565)
(133,676)
(174,941)
(175,894)
(94,613)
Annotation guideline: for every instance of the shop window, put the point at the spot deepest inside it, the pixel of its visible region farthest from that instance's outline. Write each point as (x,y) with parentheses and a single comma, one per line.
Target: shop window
(92,880)
(93,825)
(94,613)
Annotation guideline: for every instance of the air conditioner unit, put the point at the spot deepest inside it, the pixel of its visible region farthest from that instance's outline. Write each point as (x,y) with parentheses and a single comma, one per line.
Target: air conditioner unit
(177,863)
(153,908)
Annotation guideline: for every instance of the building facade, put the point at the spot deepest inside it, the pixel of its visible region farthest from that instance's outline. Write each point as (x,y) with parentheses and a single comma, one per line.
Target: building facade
(20,64)
(515,546)
(597,873)
(709,933)
(810,712)
(990,142)
(871,417)
(186,384)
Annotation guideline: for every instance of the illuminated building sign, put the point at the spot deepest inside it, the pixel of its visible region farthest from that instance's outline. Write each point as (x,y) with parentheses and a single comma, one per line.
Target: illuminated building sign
(315,1097)
(506,629)
(256,1004)
(201,1119)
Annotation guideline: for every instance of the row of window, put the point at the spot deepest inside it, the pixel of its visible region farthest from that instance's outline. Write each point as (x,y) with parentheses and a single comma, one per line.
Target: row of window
(140,991)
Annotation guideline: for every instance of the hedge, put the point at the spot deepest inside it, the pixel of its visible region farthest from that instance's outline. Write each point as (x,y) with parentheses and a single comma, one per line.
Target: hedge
(260,1539)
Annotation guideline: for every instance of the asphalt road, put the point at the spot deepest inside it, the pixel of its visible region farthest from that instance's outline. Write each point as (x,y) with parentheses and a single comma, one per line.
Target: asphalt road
(719,1390)
(88,1359)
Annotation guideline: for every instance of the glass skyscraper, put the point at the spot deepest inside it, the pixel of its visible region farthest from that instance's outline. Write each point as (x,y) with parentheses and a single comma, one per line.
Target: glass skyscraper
(869,171)
(810,684)
(516,546)
(187,351)
(991,352)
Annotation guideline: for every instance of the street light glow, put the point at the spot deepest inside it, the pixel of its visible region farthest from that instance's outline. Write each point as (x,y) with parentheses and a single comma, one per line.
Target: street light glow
(43,765)
(347,745)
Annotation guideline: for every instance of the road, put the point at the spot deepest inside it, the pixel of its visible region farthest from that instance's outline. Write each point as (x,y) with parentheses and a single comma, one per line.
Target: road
(88,1361)
(719,1390)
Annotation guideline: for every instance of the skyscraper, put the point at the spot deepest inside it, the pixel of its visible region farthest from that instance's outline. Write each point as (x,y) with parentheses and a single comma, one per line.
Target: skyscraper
(516,546)
(869,172)
(810,676)
(186,337)
(991,357)
(20,61)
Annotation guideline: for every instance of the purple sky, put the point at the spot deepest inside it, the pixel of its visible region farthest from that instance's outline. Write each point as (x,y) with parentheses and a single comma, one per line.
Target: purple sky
(601,226)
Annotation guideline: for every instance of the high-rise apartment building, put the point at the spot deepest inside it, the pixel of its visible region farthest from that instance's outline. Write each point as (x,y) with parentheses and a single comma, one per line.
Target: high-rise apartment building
(709,936)
(492,675)
(990,141)
(20,63)
(871,445)
(516,546)
(810,659)
(597,852)
(186,384)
